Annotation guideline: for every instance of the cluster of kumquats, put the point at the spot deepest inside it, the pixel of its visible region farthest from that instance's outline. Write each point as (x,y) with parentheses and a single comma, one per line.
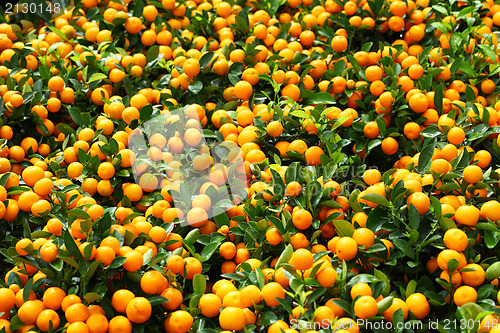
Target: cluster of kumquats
(261,166)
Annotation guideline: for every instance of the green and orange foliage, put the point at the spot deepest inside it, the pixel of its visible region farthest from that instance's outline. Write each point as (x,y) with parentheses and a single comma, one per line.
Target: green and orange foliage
(367,133)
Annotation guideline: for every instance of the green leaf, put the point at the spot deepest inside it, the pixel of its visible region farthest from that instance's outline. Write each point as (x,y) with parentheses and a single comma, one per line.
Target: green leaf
(285,256)
(15,323)
(366,278)
(411,288)
(57,265)
(285,304)
(27,289)
(385,303)
(425,157)
(279,186)
(397,319)
(205,59)
(192,236)
(70,261)
(146,112)
(381,276)
(322,98)
(71,246)
(339,67)
(91,297)
(152,53)
(277,223)
(76,116)
(452,265)
(405,247)
(343,228)
(157,300)
(446,223)
(467,68)
(493,271)
(450,186)
(376,198)
(440,9)
(97,76)
(455,66)
(195,87)
(413,217)
(199,284)
(487,50)
(208,251)
(260,277)
(486,226)
(438,98)
(117,262)
(14,278)
(491,238)
(374,143)
(66,129)
(431,132)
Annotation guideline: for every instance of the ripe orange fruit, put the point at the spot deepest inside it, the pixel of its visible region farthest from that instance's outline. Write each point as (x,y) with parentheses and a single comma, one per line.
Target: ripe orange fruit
(339,43)
(134,261)
(47,318)
(323,315)
(363,237)
(7,299)
(419,103)
(97,323)
(191,67)
(361,289)
(24,246)
(138,310)
(464,294)
(49,252)
(29,311)
(298,145)
(179,321)
(273,236)
(56,83)
(389,146)
(347,248)
(420,200)
(120,324)
(121,298)
(365,307)
(455,239)
(193,267)
(313,154)
(467,215)
(76,312)
(475,277)
(69,300)
(397,303)
(418,305)
(271,291)
(302,259)
(232,318)
(455,135)
(243,90)
(210,305)
(174,297)
(472,174)
(153,282)
(491,210)
(445,256)
(441,166)
(227,250)
(371,176)
(302,219)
